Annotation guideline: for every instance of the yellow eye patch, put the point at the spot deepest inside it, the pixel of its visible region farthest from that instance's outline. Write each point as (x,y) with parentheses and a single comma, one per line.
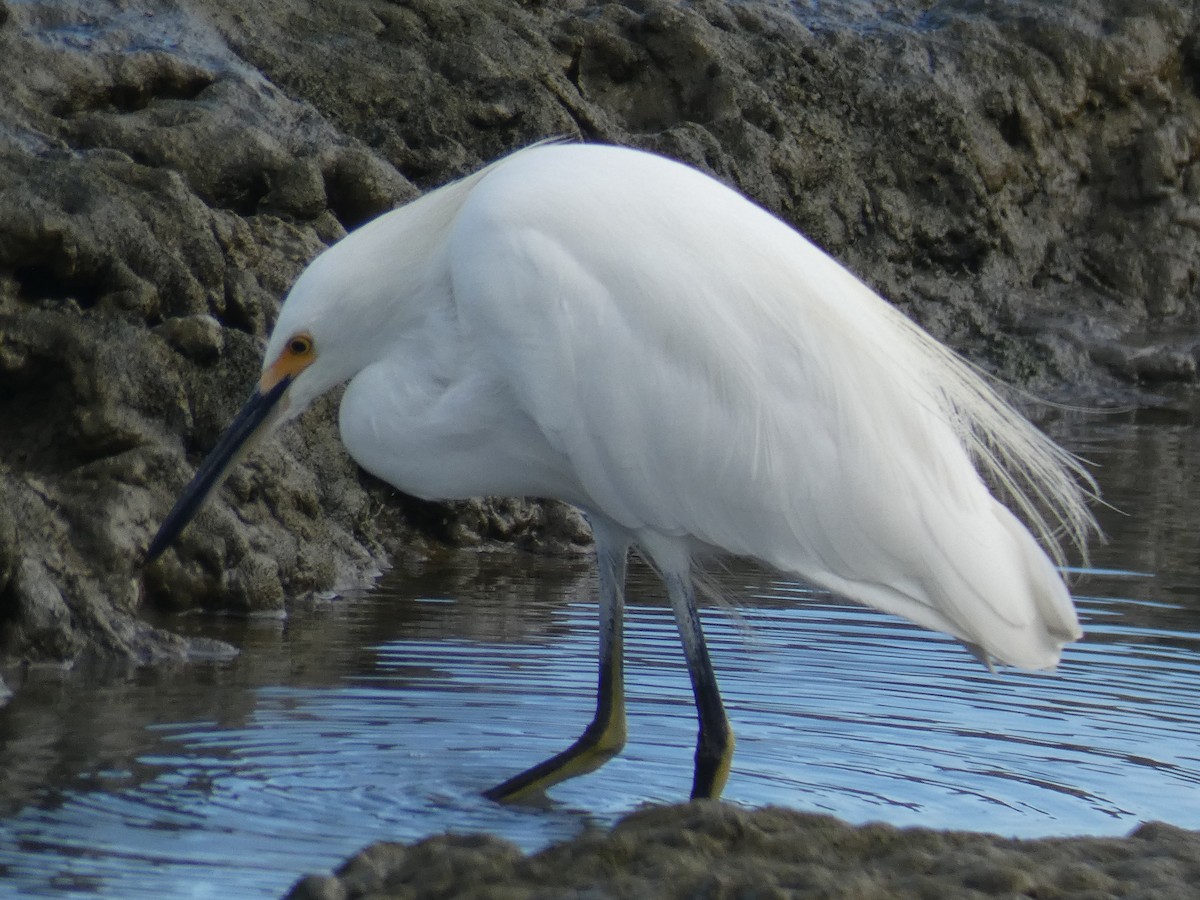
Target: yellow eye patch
(298,354)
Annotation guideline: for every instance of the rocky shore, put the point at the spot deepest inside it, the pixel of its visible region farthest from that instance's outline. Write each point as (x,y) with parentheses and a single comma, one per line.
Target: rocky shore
(1022,178)
(708,849)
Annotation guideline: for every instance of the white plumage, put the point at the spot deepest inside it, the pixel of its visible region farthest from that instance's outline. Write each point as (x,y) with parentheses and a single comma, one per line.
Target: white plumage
(621,332)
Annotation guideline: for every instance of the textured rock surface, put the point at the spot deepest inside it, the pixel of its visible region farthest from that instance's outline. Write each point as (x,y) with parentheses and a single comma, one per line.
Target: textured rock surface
(711,850)
(1020,177)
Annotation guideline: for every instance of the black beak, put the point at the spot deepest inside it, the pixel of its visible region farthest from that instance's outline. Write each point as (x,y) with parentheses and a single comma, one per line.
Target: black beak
(237,439)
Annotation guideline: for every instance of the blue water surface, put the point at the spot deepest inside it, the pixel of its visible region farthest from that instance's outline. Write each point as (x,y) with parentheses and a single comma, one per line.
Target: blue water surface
(384,715)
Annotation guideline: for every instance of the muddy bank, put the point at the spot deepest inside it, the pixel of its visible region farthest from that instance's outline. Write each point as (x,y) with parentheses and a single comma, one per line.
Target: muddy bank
(1021,179)
(709,849)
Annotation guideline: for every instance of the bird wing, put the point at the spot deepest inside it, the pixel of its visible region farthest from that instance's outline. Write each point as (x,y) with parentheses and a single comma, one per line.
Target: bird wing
(709,374)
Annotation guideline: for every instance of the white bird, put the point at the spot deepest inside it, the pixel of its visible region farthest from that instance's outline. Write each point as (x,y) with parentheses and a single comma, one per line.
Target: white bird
(623,333)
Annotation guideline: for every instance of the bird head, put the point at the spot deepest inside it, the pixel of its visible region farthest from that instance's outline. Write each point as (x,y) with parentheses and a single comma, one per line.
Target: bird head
(353,304)
(305,356)
(271,403)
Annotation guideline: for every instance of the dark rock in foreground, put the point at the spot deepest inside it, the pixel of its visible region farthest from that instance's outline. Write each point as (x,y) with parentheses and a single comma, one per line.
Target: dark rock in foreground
(713,850)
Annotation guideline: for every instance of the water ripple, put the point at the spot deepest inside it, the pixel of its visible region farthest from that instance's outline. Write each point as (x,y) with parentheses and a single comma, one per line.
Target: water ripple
(384,716)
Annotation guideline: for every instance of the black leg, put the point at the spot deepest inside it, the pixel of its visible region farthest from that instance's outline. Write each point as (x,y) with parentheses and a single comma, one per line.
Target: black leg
(605,736)
(714,745)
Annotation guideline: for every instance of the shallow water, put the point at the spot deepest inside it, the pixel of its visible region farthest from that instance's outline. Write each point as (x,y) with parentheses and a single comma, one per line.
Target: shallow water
(383,716)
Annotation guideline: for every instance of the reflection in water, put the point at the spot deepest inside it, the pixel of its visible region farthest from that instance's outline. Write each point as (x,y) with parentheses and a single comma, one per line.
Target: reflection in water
(384,716)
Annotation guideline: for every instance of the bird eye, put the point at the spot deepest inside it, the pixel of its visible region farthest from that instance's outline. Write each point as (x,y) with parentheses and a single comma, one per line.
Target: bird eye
(300,345)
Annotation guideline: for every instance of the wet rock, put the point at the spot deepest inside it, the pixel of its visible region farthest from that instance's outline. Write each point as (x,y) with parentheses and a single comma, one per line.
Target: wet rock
(319,887)
(712,849)
(197,337)
(360,186)
(1150,363)
(1022,178)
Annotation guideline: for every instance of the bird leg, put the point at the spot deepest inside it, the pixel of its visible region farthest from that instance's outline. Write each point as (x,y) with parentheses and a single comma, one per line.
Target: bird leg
(605,736)
(715,742)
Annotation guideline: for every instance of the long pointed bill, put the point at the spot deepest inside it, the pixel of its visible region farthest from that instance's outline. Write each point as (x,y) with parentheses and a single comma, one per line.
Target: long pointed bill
(245,430)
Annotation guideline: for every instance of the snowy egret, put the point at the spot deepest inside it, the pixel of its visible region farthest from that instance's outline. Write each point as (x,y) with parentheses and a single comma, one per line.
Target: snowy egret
(622,332)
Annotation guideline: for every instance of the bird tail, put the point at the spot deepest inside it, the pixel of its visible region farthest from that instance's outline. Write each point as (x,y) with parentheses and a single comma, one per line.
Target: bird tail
(1054,623)
(1048,486)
